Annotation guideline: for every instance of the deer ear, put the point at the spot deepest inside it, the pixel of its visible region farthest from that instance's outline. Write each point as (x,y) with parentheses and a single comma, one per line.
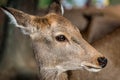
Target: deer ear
(18,18)
(56,7)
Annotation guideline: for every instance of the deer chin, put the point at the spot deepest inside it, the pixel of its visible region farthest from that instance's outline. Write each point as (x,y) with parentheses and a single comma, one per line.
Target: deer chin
(90,67)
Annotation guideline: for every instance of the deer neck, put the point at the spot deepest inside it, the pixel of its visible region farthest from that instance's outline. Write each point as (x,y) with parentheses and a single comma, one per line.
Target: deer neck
(50,74)
(46,73)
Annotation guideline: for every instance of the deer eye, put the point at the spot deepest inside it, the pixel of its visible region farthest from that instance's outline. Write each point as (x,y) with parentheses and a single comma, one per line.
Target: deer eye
(61,38)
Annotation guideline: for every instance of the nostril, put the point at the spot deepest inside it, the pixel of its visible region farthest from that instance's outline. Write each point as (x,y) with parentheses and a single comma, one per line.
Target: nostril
(102,61)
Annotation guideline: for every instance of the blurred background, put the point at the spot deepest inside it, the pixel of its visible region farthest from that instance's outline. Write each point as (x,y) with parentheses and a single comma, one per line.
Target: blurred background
(97,20)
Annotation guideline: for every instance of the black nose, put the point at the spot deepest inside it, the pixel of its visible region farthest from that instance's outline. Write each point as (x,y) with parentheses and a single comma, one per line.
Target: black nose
(102,61)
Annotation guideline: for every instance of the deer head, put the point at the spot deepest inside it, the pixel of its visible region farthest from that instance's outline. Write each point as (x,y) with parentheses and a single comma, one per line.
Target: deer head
(58,45)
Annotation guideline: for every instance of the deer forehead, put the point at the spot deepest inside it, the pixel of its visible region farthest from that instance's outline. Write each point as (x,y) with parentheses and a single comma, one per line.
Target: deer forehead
(54,21)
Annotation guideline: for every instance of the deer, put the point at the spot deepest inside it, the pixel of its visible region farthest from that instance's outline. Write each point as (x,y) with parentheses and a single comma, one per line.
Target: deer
(57,44)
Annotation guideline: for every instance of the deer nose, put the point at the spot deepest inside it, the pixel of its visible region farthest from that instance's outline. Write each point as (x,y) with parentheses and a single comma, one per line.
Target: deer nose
(102,61)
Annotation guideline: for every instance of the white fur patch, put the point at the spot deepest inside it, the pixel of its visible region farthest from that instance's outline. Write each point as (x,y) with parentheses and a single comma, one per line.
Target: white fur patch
(62,9)
(93,68)
(29,30)
(12,18)
(25,30)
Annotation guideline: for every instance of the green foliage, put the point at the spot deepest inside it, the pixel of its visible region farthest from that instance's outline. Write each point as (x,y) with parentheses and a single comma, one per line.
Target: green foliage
(44,3)
(113,2)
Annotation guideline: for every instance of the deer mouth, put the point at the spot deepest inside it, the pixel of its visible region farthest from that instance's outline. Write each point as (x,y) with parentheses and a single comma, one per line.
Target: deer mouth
(91,67)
